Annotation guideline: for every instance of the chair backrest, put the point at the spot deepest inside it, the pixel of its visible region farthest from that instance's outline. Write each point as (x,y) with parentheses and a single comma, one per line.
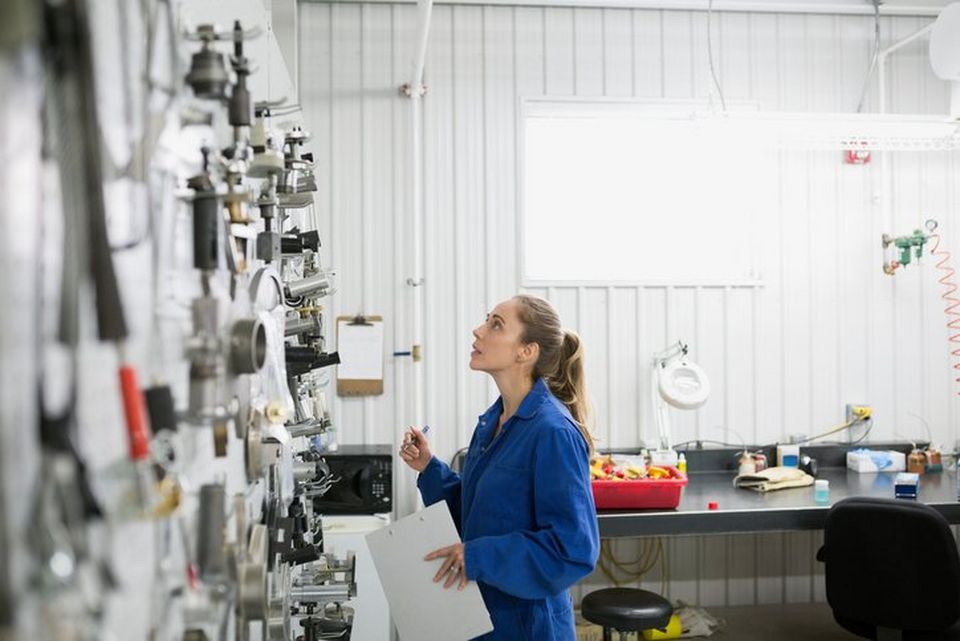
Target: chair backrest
(891,563)
(456,464)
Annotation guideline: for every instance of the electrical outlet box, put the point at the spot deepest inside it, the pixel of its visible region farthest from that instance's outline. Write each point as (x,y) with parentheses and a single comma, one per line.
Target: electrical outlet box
(858,411)
(858,430)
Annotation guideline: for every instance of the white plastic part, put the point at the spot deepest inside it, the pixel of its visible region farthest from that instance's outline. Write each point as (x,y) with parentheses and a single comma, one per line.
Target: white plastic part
(945,43)
(945,52)
(664,457)
(684,385)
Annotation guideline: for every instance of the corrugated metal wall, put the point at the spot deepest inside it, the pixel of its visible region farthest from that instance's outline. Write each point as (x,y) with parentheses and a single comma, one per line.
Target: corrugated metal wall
(826,327)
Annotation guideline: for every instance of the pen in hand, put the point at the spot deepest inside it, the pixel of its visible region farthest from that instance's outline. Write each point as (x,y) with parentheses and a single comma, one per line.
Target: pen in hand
(413,437)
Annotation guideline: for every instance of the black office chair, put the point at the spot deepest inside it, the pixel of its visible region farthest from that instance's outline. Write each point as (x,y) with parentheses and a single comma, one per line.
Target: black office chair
(626,610)
(456,463)
(892,570)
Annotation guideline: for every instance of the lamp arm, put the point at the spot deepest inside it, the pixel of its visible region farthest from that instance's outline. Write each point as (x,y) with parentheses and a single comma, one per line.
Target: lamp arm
(677,349)
(660,412)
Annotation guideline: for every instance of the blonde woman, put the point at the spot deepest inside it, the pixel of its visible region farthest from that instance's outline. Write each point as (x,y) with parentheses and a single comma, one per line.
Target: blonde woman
(523,502)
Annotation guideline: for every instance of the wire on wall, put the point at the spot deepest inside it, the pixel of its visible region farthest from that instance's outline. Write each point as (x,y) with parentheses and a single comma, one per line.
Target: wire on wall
(713,71)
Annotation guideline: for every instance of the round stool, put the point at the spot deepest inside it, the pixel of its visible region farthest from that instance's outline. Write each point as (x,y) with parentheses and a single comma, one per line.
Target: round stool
(626,610)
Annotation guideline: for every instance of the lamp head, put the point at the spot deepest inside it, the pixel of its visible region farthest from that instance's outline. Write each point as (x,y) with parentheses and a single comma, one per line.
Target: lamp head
(683,384)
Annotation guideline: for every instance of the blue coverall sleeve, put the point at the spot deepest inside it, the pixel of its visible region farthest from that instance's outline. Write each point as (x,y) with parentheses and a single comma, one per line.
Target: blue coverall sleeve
(563,548)
(438,482)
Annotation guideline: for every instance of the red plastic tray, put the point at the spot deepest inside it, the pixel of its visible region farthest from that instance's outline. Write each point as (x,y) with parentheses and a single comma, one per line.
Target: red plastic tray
(640,493)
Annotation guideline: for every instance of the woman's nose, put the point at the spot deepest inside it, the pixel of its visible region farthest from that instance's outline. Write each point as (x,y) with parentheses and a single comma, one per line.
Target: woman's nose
(476,331)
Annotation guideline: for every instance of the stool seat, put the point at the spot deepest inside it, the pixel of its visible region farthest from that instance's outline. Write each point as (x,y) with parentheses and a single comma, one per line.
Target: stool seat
(626,609)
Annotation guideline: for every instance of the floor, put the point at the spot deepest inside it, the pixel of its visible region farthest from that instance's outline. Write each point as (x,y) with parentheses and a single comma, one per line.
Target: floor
(794,622)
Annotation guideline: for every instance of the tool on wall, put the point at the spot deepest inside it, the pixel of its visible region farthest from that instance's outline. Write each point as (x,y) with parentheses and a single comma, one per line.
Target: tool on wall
(297,182)
(63,504)
(216,354)
(209,80)
(266,142)
(906,248)
(911,247)
(229,557)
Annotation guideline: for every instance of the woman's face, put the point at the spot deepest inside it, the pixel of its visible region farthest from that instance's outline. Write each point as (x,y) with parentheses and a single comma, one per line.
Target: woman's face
(497,346)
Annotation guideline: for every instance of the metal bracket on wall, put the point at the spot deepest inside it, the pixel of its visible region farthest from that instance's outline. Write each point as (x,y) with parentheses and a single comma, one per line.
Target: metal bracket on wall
(407,90)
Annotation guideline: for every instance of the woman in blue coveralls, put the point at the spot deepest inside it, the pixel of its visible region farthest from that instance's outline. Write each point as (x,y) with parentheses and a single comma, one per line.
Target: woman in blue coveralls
(523,503)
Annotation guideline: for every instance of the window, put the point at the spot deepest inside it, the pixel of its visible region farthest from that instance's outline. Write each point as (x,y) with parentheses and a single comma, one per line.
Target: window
(631,192)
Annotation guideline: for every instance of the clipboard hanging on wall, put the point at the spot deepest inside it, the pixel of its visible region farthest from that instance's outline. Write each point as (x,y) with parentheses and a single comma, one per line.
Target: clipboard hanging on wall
(360,345)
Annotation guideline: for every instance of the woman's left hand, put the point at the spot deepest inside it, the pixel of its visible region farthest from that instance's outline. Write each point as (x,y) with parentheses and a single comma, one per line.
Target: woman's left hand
(453,565)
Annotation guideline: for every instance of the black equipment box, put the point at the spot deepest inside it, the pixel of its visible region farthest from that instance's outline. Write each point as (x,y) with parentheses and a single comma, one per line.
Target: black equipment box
(364,482)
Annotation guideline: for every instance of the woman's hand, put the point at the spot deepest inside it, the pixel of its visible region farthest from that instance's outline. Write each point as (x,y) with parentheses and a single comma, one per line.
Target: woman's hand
(453,565)
(415,449)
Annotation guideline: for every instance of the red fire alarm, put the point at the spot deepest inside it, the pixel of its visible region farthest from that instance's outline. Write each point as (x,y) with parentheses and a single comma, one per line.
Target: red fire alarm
(856,156)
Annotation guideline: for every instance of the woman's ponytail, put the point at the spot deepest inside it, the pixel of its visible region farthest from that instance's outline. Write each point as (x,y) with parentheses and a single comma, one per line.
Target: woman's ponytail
(561,358)
(568,383)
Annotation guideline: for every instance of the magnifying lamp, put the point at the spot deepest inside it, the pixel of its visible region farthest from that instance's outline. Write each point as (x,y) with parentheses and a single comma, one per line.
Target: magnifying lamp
(678,382)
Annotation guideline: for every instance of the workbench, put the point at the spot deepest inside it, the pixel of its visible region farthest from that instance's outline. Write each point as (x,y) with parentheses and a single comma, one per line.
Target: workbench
(711,474)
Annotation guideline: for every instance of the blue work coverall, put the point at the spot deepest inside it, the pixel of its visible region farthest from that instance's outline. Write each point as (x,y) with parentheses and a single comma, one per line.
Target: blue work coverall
(525,511)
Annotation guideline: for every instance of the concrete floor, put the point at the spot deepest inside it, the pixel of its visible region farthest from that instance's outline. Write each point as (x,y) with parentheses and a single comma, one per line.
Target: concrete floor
(794,622)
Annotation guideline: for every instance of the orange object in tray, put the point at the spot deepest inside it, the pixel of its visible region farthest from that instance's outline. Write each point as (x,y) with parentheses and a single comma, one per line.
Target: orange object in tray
(622,494)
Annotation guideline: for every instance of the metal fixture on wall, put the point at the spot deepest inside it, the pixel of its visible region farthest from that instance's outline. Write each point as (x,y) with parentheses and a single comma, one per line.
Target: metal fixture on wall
(910,247)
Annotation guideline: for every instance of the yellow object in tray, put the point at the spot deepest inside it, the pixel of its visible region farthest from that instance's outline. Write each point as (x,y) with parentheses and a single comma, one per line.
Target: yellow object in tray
(605,468)
(656,472)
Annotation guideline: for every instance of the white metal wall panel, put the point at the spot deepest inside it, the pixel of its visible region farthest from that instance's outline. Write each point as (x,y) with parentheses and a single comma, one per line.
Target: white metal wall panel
(588,52)
(617,41)
(825,329)
(559,52)
(648,54)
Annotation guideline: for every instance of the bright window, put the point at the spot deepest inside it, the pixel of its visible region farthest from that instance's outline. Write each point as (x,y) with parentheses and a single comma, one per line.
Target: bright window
(616,192)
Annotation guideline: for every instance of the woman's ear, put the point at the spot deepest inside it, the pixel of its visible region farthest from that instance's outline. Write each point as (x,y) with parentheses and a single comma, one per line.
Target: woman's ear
(529,353)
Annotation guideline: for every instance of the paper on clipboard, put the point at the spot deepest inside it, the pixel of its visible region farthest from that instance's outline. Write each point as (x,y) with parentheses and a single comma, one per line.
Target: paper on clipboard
(361,350)
(421,609)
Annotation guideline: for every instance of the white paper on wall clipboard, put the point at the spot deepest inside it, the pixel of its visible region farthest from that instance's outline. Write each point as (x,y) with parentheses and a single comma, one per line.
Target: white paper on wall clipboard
(360,346)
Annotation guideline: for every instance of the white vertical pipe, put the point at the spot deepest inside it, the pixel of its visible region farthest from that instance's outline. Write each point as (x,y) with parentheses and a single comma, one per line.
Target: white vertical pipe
(424,9)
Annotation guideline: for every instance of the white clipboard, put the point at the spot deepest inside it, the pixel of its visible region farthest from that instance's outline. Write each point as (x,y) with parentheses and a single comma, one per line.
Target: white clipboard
(421,609)
(360,345)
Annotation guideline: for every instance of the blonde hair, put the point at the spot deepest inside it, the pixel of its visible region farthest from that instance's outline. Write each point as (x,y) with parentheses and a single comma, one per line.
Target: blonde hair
(561,358)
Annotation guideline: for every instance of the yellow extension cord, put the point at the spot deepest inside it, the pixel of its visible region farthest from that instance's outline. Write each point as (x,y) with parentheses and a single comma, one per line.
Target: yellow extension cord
(651,552)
